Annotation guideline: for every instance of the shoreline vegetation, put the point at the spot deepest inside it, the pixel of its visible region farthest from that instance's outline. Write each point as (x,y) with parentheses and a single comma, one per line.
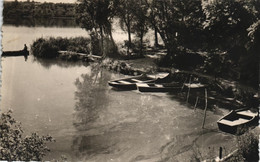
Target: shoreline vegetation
(222,92)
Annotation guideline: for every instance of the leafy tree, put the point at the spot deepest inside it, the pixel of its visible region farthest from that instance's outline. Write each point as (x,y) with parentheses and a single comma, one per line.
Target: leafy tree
(231,27)
(227,23)
(140,21)
(95,16)
(15,147)
(162,12)
(125,11)
(249,63)
(175,21)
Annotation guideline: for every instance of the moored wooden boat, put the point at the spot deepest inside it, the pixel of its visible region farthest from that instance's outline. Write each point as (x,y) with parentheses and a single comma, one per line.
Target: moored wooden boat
(159,87)
(15,53)
(236,120)
(129,83)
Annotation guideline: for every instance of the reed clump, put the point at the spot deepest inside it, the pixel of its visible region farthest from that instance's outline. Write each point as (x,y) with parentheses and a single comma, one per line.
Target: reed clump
(49,47)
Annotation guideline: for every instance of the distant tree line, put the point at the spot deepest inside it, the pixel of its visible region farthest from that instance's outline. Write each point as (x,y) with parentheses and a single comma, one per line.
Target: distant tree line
(33,9)
(227,31)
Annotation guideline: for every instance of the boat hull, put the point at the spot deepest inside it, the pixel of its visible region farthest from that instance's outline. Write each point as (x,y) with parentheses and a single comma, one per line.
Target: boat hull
(157,88)
(227,128)
(15,53)
(237,122)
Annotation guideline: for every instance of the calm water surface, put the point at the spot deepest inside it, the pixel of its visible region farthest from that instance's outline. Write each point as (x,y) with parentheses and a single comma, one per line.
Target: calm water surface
(92,122)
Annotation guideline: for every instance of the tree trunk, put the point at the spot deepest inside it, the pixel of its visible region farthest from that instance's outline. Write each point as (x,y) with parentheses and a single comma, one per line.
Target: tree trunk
(141,43)
(112,39)
(155,38)
(129,40)
(129,34)
(102,41)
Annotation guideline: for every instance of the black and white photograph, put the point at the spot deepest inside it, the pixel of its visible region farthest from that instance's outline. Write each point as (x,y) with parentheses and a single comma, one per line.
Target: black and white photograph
(130,80)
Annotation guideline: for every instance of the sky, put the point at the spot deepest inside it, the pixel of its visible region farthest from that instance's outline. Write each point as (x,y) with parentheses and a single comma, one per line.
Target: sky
(53,1)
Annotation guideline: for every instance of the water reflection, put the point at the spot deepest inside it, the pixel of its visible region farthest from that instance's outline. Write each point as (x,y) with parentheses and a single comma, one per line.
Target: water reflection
(45,22)
(91,101)
(90,96)
(48,63)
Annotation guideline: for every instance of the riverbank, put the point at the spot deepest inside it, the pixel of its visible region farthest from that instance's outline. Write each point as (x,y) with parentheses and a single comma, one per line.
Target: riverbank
(221,92)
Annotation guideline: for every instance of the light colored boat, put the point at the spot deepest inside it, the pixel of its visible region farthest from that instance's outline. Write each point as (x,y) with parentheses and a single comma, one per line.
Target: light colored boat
(236,120)
(129,83)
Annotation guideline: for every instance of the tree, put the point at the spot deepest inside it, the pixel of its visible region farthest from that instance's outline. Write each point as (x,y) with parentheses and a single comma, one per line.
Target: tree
(140,22)
(232,27)
(227,23)
(125,13)
(175,21)
(95,16)
(162,17)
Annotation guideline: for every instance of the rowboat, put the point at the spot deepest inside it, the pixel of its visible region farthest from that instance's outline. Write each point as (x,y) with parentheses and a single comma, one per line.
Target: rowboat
(236,120)
(129,83)
(15,53)
(159,87)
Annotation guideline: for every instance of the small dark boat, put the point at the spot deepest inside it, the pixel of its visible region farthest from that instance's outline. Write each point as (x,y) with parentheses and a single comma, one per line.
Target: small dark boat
(159,87)
(15,53)
(236,120)
(129,83)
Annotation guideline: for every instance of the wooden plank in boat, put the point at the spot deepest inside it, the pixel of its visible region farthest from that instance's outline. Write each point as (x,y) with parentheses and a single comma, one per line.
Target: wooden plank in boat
(159,75)
(233,123)
(124,82)
(113,82)
(136,80)
(142,85)
(247,113)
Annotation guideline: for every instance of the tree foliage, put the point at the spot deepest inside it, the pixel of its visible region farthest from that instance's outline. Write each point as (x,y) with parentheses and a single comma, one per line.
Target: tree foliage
(15,147)
(21,9)
(96,16)
(227,23)
(125,11)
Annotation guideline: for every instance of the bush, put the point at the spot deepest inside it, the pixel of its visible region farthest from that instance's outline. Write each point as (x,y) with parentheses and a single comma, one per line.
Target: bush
(49,47)
(44,48)
(248,146)
(13,146)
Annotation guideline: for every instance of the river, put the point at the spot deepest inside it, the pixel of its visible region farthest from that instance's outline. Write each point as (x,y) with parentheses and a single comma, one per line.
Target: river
(73,103)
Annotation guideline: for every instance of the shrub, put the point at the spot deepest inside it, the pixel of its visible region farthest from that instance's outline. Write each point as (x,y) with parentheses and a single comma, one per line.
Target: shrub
(248,146)
(49,47)
(13,146)
(44,48)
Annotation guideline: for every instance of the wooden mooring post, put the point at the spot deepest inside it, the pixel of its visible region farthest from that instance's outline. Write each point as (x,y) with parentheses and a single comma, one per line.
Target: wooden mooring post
(220,153)
(197,98)
(206,105)
(188,95)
